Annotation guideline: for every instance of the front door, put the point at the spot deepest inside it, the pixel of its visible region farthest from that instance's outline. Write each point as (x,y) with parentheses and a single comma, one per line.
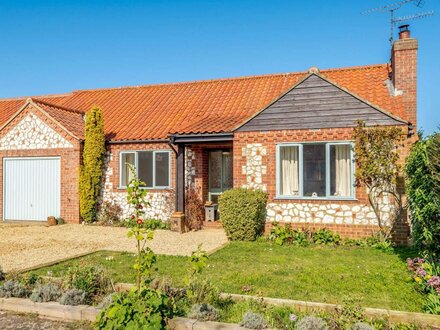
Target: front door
(220,173)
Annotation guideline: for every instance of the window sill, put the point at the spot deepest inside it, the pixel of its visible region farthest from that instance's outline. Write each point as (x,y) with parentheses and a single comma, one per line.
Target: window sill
(328,199)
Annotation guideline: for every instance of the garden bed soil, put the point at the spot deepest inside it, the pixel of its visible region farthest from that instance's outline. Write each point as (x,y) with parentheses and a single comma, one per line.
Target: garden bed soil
(25,247)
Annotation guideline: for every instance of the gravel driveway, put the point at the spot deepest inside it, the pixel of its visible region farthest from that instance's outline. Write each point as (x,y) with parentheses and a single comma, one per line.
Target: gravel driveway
(26,246)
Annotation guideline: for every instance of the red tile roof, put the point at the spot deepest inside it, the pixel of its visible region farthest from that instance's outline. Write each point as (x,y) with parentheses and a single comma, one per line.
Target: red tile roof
(209,106)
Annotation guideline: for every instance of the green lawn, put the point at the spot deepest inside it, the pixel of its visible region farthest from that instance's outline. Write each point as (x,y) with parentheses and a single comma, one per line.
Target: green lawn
(322,274)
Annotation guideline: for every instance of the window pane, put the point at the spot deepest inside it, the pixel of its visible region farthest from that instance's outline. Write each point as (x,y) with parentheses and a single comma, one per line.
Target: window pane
(288,170)
(227,171)
(145,167)
(314,170)
(162,169)
(215,170)
(127,159)
(340,170)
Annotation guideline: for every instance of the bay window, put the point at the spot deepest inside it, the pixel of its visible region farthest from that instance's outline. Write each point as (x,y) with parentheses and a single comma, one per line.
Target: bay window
(152,167)
(315,170)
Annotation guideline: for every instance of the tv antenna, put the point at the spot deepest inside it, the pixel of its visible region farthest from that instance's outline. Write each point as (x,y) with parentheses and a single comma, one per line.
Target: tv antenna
(391,8)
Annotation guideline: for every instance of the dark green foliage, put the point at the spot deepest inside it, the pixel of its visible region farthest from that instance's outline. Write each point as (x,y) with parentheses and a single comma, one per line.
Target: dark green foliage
(93,160)
(13,289)
(150,224)
(253,320)
(46,292)
(147,309)
(423,177)
(243,213)
(204,312)
(74,297)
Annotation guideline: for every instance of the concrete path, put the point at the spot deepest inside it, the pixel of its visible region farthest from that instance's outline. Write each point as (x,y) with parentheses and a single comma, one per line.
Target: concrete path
(26,246)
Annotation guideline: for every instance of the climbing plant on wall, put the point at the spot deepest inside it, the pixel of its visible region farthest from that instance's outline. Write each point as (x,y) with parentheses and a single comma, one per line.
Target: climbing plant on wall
(93,160)
(377,168)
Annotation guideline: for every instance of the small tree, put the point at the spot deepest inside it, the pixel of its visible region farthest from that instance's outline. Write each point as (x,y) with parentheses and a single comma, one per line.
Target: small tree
(423,188)
(93,160)
(377,168)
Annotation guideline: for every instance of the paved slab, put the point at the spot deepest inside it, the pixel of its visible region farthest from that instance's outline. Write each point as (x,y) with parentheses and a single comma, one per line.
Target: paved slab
(26,246)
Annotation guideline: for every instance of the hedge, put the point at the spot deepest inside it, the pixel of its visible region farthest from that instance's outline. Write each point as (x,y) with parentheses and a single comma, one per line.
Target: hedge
(243,213)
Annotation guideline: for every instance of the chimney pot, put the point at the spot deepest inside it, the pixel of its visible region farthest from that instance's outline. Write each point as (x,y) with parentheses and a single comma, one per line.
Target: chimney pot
(404,32)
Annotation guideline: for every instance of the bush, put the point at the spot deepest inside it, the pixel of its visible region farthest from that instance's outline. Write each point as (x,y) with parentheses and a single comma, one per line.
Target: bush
(46,292)
(253,320)
(90,279)
(204,312)
(13,289)
(243,213)
(110,214)
(145,309)
(90,173)
(361,326)
(311,323)
(422,178)
(74,297)
(326,237)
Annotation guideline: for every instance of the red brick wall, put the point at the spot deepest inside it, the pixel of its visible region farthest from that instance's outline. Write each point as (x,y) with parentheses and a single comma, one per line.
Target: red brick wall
(70,160)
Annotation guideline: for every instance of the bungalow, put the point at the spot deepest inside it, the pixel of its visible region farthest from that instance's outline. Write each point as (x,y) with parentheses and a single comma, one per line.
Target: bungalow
(288,134)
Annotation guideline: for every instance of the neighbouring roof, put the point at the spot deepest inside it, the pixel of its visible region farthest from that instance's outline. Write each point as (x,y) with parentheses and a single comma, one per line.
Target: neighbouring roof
(209,106)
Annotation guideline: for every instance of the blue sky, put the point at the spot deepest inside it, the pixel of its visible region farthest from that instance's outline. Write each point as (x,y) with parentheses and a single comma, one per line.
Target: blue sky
(58,46)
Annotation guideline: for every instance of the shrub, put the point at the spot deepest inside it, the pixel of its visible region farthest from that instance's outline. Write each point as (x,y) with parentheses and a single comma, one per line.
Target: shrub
(204,312)
(325,237)
(311,323)
(243,213)
(91,279)
(193,209)
(253,320)
(46,292)
(74,297)
(13,289)
(110,213)
(90,173)
(147,309)
(361,326)
(422,182)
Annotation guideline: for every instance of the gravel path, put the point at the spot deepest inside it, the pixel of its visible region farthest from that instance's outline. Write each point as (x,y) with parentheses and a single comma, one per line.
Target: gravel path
(25,246)
(12,321)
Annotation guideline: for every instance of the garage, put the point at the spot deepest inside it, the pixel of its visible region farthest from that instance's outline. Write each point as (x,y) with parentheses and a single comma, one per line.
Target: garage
(31,188)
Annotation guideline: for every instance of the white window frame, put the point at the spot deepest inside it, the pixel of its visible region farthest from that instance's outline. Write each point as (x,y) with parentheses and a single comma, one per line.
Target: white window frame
(327,171)
(136,152)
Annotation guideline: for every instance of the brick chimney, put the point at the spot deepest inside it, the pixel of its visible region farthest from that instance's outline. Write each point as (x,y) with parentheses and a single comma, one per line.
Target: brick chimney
(404,72)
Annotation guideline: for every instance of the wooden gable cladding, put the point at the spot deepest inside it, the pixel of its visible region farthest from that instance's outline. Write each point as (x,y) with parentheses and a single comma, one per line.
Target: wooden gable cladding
(317,103)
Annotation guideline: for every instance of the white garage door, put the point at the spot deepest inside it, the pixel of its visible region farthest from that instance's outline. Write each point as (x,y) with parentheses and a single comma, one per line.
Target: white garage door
(31,188)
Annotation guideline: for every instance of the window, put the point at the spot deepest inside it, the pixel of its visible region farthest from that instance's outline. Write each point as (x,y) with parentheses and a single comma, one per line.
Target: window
(152,167)
(315,170)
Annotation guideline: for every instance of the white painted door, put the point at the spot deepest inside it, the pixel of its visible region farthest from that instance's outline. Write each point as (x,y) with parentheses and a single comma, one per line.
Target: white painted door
(31,188)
